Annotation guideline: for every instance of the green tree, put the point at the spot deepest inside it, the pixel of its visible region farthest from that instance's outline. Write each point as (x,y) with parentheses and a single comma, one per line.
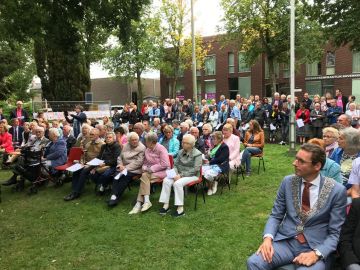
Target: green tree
(68,36)
(176,46)
(13,62)
(263,27)
(140,52)
(340,20)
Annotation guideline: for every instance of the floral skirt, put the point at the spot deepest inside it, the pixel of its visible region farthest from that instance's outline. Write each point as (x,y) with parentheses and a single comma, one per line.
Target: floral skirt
(210,172)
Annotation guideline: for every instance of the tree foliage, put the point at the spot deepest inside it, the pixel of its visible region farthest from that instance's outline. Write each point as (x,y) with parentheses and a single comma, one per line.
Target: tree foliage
(263,27)
(340,20)
(67,37)
(176,47)
(140,52)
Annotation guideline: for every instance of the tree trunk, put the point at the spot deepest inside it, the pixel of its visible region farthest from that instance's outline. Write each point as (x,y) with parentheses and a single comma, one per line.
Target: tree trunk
(139,86)
(41,69)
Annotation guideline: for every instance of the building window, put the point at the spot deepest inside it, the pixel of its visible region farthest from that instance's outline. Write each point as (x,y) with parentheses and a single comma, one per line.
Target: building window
(210,64)
(198,72)
(179,88)
(356,87)
(245,86)
(313,69)
(267,76)
(210,86)
(313,87)
(231,60)
(286,70)
(327,86)
(243,66)
(356,62)
(330,63)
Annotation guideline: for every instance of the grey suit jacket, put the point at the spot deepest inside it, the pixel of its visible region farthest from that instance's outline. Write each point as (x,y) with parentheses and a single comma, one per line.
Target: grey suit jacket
(323,224)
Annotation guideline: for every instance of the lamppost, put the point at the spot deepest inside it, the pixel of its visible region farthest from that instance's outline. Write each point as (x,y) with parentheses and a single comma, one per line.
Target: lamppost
(292,77)
(193,53)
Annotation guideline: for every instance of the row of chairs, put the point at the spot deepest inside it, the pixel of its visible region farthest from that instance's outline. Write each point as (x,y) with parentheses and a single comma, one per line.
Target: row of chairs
(199,184)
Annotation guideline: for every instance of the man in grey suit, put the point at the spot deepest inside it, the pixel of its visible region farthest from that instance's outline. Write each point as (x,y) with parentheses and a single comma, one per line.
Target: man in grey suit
(305,222)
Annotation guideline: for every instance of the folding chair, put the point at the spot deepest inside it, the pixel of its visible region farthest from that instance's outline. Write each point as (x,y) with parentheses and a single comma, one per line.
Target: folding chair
(197,184)
(239,170)
(223,179)
(75,154)
(261,158)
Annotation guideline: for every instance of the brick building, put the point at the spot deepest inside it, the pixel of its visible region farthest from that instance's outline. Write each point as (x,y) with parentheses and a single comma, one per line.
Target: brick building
(225,73)
(121,92)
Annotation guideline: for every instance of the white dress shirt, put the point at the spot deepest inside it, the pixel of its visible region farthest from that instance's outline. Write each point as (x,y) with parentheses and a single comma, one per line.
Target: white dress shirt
(313,190)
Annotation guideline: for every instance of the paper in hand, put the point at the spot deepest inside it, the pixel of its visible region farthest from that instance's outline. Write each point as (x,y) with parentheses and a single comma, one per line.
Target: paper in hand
(123,172)
(75,167)
(170,173)
(95,162)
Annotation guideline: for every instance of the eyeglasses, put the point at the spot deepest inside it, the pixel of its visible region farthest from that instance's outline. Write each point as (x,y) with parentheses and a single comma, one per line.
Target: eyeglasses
(301,161)
(327,136)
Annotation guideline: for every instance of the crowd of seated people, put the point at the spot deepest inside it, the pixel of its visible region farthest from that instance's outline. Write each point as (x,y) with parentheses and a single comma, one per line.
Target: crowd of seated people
(227,133)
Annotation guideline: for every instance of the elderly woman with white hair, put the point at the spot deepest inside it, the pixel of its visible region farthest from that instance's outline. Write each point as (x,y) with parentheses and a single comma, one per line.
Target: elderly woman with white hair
(187,168)
(56,151)
(155,164)
(347,152)
(130,160)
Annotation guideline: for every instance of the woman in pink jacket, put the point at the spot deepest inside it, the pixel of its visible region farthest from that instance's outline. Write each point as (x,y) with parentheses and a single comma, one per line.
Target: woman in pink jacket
(156,162)
(6,145)
(233,142)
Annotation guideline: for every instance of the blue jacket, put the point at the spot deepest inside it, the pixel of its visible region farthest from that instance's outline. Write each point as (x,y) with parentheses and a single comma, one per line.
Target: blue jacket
(221,158)
(331,169)
(333,114)
(174,146)
(337,155)
(199,117)
(322,227)
(56,152)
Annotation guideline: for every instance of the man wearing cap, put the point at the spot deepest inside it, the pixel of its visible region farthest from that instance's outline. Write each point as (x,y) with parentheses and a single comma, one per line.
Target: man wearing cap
(20,113)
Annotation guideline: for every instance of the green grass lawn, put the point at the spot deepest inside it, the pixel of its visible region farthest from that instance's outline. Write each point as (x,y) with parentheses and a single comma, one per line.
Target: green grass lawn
(44,232)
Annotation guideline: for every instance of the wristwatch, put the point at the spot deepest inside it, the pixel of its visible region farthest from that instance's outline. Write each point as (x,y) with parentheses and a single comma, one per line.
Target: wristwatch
(318,253)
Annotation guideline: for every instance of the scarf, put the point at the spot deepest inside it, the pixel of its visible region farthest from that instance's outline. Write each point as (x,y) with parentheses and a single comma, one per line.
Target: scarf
(329,149)
(214,150)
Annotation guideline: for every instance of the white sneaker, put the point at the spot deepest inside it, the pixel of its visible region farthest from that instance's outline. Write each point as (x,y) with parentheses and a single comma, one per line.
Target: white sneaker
(214,189)
(281,142)
(209,192)
(113,197)
(135,210)
(146,206)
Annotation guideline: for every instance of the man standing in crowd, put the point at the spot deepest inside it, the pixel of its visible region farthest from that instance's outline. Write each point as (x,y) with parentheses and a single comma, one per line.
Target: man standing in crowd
(307,100)
(19,113)
(341,100)
(78,118)
(317,118)
(333,112)
(305,222)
